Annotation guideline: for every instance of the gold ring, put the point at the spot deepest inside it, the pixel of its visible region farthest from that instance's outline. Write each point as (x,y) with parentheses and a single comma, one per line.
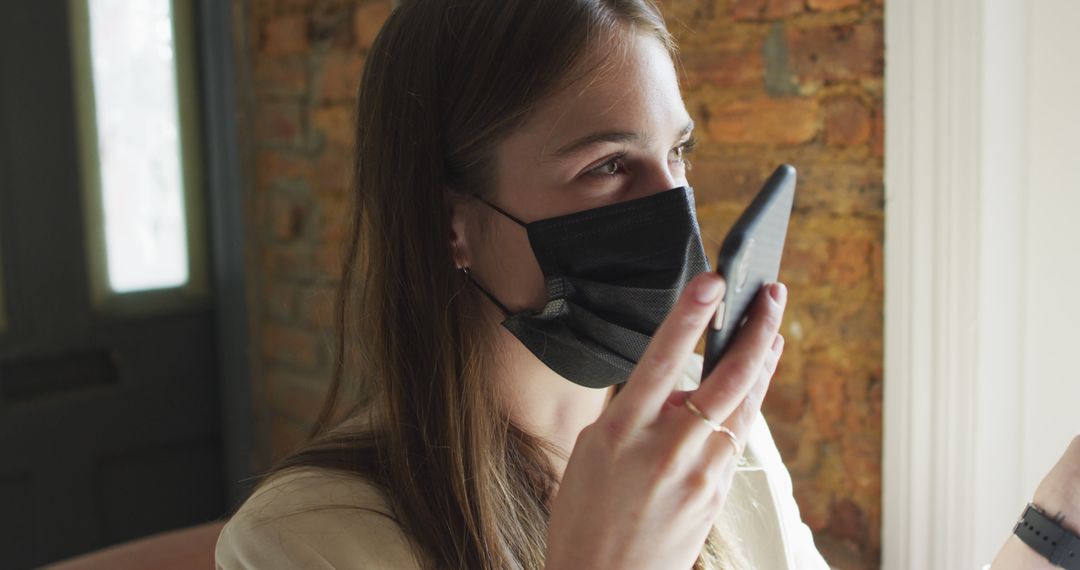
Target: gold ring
(714,425)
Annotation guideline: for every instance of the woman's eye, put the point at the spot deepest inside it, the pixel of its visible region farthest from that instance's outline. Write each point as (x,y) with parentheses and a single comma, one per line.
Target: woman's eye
(683,150)
(610,168)
(615,165)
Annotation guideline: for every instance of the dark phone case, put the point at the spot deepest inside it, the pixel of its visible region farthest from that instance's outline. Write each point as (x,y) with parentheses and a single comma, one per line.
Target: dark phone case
(759,233)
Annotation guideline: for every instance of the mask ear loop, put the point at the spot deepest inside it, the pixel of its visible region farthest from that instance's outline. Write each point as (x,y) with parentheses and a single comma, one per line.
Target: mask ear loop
(501,211)
(505,311)
(465,270)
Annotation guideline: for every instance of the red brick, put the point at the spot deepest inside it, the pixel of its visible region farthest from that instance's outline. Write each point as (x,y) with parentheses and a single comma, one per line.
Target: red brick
(787,435)
(765,9)
(803,260)
(847,521)
(839,52)
(877,265)
(333,170)
(262,7)
(287,216)
(330,259)
(857,420)
(861,456)
(847,121)
(280,300)
(784,402)
(287,435)
(290,345)
(841,188)
(281,77)
(686,17)
(285,34)
(842,553)
(317,306)
(298,396)
(293,5)
(721,178)
(877,137)
(368,20)
(339,76)
(715,220)
(825,389)
(276,165)
(279,124)
(809,451)
(727,62)
(334,219)
(815,503)
(831,5)
(854,329)
(291,261)
(849,261)
(335,123)
(764,120)
(330,24)
(789,372)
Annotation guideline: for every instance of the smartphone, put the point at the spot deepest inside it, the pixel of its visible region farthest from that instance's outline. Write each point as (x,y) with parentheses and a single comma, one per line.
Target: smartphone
(750,258)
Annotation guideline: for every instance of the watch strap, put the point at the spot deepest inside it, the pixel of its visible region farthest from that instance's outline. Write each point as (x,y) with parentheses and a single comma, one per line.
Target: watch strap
(1044,535)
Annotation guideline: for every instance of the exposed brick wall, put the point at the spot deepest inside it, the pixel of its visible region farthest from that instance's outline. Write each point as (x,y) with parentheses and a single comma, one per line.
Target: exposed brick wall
(801,81)
(303,60)
(768,81)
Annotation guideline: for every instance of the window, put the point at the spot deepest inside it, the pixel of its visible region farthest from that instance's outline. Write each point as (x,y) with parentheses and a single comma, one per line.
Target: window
(136,102)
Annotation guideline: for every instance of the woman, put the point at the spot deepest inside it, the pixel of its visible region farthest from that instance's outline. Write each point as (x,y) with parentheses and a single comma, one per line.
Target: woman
(523,227)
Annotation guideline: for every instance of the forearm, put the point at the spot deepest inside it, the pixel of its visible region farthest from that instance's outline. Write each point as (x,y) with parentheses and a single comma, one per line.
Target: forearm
(1015,555)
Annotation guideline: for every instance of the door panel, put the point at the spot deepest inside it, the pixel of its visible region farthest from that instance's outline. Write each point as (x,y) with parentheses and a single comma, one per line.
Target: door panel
(109,424)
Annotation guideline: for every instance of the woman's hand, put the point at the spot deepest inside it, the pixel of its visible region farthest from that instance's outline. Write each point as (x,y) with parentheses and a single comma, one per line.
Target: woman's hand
(646,481)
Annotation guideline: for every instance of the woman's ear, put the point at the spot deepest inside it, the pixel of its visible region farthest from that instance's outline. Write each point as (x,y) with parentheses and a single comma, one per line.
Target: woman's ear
(459,244)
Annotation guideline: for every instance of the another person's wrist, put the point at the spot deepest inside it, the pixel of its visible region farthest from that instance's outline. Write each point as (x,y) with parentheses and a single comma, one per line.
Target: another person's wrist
(1016,555)
(1062,504)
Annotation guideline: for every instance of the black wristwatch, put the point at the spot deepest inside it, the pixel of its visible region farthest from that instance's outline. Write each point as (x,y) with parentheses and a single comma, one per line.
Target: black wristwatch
(1043,534)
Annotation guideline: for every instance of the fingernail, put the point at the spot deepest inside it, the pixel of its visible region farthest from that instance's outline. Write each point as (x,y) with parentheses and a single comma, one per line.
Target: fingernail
(710,290)
(777,342)
(778,292)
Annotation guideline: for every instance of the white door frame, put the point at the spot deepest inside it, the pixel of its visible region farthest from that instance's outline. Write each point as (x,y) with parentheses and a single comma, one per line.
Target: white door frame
(954,217)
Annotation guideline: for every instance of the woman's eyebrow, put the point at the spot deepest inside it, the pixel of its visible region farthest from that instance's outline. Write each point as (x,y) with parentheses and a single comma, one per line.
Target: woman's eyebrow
(610,136)
(597,138)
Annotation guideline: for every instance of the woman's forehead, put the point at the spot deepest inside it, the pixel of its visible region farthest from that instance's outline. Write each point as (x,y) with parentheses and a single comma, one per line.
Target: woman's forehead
(634,94)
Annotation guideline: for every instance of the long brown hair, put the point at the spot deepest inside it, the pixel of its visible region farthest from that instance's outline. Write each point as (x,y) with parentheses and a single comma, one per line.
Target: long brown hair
(443,83)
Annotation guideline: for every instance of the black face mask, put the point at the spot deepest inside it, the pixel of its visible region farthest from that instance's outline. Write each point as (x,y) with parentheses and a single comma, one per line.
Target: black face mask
(612,275)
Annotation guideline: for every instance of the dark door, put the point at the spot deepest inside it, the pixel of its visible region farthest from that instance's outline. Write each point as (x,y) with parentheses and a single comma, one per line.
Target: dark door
(109,412)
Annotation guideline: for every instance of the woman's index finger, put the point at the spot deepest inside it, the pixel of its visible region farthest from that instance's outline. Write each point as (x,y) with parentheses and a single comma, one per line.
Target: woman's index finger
(737,371)
(660,367)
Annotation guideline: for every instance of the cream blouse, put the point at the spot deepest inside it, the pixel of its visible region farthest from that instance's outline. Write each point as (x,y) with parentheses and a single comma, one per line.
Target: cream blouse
(306,517)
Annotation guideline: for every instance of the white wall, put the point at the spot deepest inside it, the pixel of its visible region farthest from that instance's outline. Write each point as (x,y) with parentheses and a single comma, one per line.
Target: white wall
(1052,277)
(982,269)
(1029,309)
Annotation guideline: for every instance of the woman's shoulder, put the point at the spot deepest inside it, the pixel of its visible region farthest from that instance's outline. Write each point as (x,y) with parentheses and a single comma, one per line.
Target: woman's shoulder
(309,517)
